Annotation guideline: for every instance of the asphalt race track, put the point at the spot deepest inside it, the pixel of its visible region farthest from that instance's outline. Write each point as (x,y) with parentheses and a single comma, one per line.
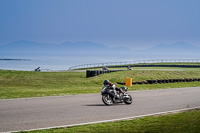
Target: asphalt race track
(34,113)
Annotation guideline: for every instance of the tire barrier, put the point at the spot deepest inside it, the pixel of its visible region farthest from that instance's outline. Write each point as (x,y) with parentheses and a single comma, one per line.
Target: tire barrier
(92,73)
(162,81)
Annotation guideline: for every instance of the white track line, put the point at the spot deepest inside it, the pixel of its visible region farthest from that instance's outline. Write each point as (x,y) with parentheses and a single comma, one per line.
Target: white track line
(126,118)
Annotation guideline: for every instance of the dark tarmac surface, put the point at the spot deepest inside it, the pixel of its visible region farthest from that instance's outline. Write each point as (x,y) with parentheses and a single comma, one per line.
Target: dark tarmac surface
(44,112)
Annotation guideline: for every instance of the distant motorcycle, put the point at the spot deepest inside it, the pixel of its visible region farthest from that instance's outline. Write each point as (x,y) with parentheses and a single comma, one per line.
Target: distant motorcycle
(111,94)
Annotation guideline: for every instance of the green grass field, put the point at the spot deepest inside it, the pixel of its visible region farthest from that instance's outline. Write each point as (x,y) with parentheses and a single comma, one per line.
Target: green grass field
(21,84)
(185,122)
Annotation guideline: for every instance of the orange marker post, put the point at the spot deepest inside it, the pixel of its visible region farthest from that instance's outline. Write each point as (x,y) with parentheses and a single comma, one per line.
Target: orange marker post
(128,81)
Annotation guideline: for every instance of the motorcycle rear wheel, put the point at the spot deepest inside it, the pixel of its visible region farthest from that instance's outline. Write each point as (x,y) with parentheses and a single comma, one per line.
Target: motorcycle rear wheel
(107,99)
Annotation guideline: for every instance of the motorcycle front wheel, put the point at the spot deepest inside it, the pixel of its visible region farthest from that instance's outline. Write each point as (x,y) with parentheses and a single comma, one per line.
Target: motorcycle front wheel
(107,99)
(128,100)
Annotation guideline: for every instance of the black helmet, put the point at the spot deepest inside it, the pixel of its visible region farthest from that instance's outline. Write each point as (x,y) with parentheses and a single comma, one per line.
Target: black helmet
(106,82)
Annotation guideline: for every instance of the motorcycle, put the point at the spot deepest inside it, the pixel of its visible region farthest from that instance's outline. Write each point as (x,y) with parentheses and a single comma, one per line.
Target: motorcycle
(111,94)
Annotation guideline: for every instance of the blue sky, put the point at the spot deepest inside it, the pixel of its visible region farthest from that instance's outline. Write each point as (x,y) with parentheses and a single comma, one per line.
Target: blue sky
(137,24)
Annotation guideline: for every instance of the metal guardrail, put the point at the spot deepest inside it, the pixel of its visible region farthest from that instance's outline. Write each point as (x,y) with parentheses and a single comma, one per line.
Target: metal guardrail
(135,62)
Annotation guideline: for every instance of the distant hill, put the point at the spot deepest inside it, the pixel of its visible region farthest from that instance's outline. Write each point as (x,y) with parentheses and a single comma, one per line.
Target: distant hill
(181,48)
(66,47)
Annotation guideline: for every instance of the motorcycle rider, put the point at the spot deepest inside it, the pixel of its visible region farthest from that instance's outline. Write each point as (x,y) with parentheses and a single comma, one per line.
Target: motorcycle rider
(107,83)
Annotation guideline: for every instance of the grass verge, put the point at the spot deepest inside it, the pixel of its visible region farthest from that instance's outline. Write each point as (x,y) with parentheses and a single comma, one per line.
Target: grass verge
(22,84)
(184,122)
